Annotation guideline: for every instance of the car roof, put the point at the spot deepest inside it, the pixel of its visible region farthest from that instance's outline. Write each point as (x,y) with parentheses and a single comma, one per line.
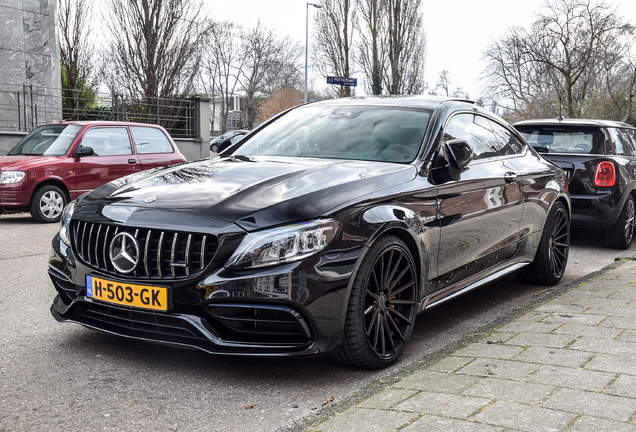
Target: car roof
(573,122)
(103,123)
(409,101)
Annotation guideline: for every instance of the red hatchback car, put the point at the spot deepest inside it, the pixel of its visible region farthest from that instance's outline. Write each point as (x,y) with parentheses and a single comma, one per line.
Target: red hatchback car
(58,162)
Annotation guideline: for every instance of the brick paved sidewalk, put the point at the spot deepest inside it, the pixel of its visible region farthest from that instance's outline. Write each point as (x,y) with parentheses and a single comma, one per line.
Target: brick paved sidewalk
(569,364)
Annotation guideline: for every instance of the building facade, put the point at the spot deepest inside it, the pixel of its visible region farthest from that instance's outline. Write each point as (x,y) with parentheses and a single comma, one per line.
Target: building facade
(30,85)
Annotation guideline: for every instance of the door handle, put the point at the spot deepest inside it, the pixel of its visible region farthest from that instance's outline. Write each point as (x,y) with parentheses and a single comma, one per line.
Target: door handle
(132,161)
(510,177)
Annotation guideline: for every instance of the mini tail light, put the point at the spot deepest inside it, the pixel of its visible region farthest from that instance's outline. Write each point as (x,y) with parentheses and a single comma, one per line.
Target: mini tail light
(605,174)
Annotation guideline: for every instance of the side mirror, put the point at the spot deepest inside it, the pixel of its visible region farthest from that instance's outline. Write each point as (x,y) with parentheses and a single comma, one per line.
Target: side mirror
(459,154)
(83,151)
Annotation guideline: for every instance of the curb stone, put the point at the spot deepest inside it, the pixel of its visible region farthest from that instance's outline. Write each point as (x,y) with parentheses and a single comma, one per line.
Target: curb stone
(387,380)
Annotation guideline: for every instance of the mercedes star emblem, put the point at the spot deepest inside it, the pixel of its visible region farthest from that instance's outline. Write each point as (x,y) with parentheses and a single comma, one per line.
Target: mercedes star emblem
(124,252)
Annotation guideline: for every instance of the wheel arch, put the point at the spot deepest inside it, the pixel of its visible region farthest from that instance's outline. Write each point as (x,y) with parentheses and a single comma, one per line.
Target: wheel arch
(52,182)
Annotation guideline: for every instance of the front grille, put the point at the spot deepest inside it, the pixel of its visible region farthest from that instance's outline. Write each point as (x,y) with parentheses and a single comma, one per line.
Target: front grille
(265,324)
(150,324)
(162,254)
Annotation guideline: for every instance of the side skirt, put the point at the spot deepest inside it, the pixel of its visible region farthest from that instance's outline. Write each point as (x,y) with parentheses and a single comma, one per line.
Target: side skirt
(470,283)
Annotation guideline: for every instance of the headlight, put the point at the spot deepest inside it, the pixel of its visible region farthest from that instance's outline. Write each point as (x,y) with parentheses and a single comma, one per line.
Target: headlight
(283,245)
(65,222)
(8,177)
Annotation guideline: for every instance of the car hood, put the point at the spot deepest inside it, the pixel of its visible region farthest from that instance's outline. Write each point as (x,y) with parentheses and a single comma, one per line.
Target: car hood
(14,163)
(254,192)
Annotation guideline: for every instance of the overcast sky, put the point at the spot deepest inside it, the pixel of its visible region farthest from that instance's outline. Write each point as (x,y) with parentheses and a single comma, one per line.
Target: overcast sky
(458,31)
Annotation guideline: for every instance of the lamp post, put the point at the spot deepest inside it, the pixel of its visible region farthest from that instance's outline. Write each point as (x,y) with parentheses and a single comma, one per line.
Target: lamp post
(316,5)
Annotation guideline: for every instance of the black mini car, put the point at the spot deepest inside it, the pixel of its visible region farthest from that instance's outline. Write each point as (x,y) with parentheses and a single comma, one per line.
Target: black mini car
(324,232)
(599,157)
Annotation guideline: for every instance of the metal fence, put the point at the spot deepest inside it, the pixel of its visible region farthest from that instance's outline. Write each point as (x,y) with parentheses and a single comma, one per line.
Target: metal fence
(26,107)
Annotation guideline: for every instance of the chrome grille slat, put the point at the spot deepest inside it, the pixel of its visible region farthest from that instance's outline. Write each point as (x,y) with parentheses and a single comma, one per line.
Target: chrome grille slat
(147,253)
(99,231)
(177,254)
(90,237)
(203,243)
(187,255)
(174,247)
(159,247)
(83,237)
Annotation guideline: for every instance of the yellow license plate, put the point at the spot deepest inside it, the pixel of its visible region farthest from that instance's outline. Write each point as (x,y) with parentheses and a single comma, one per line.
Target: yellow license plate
(140,296)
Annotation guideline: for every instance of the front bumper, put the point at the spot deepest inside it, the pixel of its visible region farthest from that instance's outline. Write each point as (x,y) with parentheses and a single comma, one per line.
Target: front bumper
(294,309)
(15,196)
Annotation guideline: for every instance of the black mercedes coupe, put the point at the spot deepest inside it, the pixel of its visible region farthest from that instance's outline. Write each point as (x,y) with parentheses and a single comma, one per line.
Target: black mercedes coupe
(325,231)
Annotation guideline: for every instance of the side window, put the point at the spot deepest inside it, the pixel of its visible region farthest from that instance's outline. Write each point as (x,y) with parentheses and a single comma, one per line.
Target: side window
(151,140)
(509,143)
(108,141)
(477,131)
(622,142)
(631,135)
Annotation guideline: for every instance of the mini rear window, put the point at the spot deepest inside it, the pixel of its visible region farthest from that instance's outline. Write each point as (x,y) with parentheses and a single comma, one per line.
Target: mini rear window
(564,139)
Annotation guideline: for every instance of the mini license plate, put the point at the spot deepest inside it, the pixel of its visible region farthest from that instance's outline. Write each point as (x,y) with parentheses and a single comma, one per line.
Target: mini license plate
(140,296)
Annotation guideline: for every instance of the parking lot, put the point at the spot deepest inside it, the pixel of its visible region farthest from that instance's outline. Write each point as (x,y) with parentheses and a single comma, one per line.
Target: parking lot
(65,377)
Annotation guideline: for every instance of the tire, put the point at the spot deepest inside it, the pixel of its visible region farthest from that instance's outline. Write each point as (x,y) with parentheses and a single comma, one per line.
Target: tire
(621,234)
(551,258)
(47,204)
(382,307)
(214,148)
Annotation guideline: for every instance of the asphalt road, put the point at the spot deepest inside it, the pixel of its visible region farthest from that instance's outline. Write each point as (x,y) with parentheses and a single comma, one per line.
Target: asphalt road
(63,377)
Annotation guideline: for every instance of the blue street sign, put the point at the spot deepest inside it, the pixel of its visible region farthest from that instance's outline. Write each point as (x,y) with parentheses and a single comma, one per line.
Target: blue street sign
(342,81)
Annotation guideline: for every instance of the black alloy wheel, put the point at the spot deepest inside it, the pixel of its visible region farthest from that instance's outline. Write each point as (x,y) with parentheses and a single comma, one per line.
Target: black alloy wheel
(551,258)
(382,307)
(620,235)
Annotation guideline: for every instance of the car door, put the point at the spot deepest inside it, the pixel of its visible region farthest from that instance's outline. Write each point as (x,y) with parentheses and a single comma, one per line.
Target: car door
(153,147)
(480,214)
(112,158)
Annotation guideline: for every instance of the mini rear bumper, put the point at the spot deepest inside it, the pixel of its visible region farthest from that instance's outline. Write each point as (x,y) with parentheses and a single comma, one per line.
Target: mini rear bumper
(598,211)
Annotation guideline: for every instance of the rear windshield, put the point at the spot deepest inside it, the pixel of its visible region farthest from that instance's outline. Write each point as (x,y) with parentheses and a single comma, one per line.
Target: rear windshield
(388,134)
(564,139)
(49,140)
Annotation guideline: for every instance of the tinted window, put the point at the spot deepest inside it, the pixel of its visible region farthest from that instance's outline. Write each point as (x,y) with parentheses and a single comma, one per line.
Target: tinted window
(372,133)
(509,143)
(151,140)
(108,141)
(622,142)
(564,139)
(50,140)
(477,131)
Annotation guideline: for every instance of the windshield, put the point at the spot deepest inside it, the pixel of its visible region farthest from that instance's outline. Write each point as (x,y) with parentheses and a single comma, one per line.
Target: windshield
(564,139)
(387,134)
(49,140)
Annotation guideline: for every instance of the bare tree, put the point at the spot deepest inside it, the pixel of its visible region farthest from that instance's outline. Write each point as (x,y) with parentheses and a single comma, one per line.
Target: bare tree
(406,47)
(270,63)
(443,82)
(561,61)
(371,26)
(154,46)
(621,90)
(333,40)
(223,65)
(76,54)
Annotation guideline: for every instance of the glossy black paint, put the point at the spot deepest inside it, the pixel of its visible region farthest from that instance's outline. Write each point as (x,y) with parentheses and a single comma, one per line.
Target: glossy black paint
(461,233)
(593,207)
